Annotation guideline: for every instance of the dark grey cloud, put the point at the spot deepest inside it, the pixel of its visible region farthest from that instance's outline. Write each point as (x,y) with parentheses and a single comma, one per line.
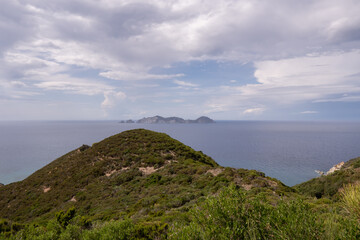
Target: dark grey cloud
(246,30)
(149,33)
(131,19)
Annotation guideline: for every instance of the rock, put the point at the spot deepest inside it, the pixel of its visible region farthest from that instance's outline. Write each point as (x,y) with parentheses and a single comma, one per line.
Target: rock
(335,168)
(46,189)
(127,121)
(84,147)
(215,171)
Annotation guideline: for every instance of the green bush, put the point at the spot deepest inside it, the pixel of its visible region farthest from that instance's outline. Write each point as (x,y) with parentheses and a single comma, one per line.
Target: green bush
(8,228)
(357,164)
(295,220)
(350,197)
(34,232)
(112,230)
(72,232)
(153,179)
(5,226)
(127,176)
(64,218)
(233,215)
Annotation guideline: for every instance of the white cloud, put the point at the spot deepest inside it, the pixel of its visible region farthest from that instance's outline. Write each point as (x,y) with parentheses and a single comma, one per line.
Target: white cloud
(254,111)
(344,98)
(74,87)
(112,98)
(324,69)
(18,84)
(185,84)
(133,76)
(318,78)
(309,112)
(307,78)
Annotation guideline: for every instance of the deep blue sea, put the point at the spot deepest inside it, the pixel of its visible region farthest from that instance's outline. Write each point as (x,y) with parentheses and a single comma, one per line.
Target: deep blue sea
(288,151)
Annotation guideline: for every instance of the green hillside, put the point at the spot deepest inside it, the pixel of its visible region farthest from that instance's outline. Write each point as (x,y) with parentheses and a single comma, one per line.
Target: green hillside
(330,185)
(136,173)
(141,184)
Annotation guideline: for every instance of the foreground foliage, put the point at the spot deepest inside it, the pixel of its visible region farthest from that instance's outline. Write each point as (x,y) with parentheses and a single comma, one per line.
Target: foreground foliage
(351,199)
(232,214)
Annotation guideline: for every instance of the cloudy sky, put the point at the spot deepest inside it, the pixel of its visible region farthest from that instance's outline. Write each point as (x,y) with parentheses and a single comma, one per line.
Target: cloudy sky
(227,59)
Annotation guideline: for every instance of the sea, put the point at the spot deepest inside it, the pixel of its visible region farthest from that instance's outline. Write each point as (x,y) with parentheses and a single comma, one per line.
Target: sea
(288,151)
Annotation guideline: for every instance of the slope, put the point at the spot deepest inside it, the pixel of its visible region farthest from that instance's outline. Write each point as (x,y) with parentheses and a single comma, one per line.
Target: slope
(330,185)
(138,174)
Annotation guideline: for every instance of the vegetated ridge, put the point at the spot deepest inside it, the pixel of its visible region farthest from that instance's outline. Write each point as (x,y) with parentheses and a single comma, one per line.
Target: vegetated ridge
(135,173)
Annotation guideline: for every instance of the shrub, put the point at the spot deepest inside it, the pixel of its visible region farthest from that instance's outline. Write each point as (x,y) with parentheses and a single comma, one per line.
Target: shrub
(127,176)
(227,216)
(8,228)
(71,232)
(64,218)
(350,197)
(233,215)
(112,230)
(357,164)
(153,179)
(5,226)
(295,220)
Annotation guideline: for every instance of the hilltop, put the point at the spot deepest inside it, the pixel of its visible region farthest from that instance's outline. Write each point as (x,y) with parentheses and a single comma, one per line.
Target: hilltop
(136,173)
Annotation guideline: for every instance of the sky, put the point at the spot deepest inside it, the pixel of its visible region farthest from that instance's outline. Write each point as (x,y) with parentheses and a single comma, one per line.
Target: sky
(226,59)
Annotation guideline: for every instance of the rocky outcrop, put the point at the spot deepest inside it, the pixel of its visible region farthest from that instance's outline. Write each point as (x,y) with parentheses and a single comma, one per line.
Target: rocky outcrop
(127,121)
(334,168)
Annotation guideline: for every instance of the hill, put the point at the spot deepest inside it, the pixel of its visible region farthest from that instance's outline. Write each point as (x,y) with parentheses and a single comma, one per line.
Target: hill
(138,174)
(330,185)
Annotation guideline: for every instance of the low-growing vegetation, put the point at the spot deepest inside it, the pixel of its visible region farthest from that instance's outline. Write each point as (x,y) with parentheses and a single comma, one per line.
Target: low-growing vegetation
(232,214)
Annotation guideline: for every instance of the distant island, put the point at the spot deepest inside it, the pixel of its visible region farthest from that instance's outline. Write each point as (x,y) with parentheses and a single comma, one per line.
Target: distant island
(159,119)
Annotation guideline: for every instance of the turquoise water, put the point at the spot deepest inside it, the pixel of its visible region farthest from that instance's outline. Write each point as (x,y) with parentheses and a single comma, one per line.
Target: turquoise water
(289,151)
